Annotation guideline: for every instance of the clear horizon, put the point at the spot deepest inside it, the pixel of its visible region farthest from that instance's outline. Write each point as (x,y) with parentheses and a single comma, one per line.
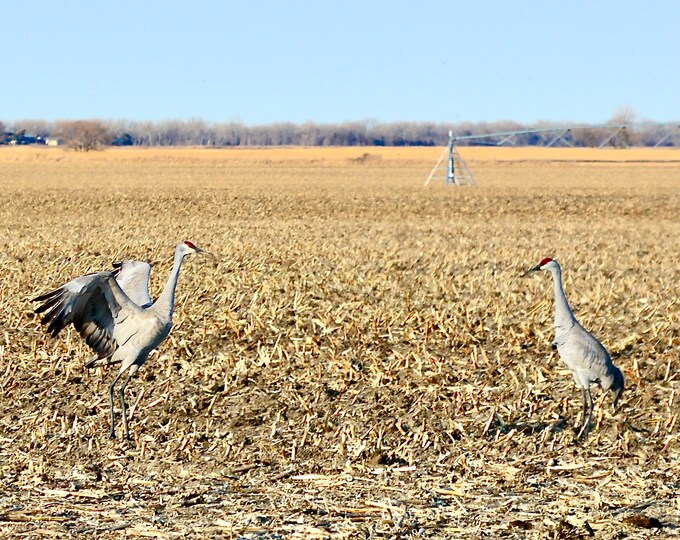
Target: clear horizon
(265,62)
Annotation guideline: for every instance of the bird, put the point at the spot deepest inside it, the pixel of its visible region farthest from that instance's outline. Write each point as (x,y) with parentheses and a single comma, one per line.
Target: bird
(587,359)
(113,311)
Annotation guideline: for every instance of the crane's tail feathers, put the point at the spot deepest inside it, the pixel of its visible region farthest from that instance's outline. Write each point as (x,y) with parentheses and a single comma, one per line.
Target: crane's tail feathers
(98,361)
(617,387)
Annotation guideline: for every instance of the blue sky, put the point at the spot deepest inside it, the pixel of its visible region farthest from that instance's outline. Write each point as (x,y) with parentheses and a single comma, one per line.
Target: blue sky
(260,62)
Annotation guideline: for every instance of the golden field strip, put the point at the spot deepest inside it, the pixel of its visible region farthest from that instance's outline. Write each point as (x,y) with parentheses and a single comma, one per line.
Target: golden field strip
(364,360)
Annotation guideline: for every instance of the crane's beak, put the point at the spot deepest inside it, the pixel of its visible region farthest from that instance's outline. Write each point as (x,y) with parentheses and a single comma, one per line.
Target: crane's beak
(532,270)
(207,254)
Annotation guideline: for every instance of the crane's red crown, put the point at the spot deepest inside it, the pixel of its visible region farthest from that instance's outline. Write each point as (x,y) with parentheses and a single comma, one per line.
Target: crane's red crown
(190,244)
(545,261)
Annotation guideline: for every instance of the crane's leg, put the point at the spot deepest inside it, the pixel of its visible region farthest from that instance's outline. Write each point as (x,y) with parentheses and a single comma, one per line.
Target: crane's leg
(133,370)
(111,388)
(584,411)
(587,398)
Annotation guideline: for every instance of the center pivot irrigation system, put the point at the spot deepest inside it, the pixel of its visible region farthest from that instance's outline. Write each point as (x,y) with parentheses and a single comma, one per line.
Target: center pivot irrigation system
(459,174)
(457,171)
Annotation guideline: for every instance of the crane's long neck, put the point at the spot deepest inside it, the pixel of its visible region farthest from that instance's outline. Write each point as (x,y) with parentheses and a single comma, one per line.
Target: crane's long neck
(165,304)
(564,317)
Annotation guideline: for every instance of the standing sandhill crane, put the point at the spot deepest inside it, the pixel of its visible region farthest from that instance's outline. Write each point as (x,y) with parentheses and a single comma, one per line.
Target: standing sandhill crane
(583,354)
(114,313)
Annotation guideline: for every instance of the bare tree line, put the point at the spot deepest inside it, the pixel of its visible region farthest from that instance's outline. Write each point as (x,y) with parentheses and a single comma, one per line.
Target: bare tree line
(88,134)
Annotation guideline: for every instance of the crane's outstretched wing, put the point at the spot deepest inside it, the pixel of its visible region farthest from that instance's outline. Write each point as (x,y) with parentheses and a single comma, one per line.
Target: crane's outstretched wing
(98,308)
(133,278)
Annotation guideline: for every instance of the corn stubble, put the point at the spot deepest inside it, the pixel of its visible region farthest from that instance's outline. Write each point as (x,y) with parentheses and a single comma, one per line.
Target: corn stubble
(364,361)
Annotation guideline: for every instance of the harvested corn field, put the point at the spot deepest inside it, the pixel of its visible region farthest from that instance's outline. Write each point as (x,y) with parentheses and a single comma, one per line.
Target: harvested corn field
(364,361)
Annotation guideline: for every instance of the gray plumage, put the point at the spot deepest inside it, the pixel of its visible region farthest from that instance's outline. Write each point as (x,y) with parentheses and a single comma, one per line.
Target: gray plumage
(583,354)
(114,313)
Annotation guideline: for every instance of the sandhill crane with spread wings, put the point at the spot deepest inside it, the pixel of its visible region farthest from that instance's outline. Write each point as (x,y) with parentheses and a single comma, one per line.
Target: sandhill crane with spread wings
(583,354)
(115,315)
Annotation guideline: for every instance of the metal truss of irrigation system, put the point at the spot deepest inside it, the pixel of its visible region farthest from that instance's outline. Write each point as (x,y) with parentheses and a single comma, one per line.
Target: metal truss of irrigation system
(459,174)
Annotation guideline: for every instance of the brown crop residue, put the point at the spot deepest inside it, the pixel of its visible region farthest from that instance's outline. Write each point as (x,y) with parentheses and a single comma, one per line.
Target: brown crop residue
(364,360)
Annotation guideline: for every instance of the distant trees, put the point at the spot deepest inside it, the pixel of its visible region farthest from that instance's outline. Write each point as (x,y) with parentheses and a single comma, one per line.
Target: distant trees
(35,128)
(86,135)
(625,115)
(83,135)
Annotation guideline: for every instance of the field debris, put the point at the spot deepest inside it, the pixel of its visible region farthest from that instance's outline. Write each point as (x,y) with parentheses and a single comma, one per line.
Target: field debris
(364,360)
(643,521)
